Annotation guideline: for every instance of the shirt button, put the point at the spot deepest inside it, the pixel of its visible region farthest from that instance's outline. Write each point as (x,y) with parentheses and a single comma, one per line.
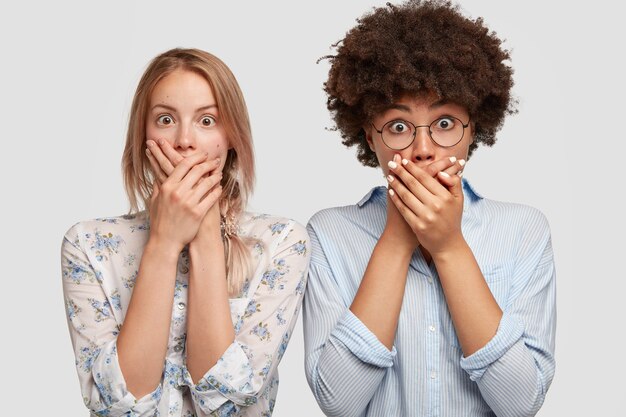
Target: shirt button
(430,280)
(431,328)
(183,269)
(433,375)
(181,305)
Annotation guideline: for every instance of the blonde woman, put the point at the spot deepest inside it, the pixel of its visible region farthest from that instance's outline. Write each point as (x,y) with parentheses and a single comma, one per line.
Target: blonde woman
(185,306)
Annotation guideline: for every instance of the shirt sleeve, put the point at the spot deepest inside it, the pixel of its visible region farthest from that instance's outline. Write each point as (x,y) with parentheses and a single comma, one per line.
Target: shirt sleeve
(515,369)
(246,370)
(93,332)
(339,348)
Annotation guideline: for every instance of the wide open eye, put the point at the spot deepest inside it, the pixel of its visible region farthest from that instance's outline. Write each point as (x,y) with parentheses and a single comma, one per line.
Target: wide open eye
(444,123)
(398,127)
(208,121)
(165,119)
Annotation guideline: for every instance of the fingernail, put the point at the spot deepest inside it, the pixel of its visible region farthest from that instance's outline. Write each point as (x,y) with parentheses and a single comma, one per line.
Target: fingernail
(462,162)
(460,174)
(390,178)
(392,165)
(391,192)
(396,158)
(160,141)
(453,159)
(405,161)
(444,174)
(150,143)
(148,152)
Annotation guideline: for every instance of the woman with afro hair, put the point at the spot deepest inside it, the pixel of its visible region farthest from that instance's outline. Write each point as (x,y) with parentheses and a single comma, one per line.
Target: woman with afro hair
(425,298)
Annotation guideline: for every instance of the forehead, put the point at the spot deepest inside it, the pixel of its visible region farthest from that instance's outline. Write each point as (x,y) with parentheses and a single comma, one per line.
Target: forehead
(182,86)
(425,104)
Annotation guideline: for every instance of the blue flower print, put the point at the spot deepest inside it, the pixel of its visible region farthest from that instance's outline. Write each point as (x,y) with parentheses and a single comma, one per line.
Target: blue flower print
(130,259)
(277,227)
(266,368)
(258,249)
(143,227)
(299,248)
(102,310)
(104,242)
(274,277)
(111,220)
(261,331)
(260,216)
(101,259)
(77,273)
(129,282)
(279,317)
(116,300)
(72,308)
(86,357)
(253,307)
(301,284)
(283,345)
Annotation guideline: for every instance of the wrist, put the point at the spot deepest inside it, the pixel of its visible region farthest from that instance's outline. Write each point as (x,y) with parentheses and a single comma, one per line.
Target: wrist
(454,248)
(209,240)
(400,245)
(165,249)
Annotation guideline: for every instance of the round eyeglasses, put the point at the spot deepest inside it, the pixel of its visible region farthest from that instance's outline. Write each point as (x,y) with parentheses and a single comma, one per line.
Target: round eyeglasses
(445,131)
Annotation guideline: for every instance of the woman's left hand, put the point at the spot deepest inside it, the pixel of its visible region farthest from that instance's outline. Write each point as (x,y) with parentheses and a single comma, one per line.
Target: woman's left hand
(163,159)
(432,207)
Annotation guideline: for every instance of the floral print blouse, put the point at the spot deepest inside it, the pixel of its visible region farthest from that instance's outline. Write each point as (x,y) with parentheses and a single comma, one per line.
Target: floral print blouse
(100,261)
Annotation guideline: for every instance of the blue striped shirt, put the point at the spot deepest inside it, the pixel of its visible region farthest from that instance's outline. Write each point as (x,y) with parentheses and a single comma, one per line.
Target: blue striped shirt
(352,373)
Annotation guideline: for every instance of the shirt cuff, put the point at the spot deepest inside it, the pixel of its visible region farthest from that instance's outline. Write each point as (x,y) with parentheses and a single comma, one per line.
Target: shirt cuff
(351,331)
(231,378)
(109,381)
(509,332)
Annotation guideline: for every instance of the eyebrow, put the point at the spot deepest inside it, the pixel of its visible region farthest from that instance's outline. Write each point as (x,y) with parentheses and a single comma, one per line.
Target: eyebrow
(439,103)
(165,106)
(401,107)
(407,109)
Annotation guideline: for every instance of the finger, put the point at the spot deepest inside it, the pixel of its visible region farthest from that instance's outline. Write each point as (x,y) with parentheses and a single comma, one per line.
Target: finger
(205,184)
(194,175)
(424,178)
(172,154)
(440,165)
(453,182)
(210,199)
(456,168)
(400,191)
(408,214)
(160,157)
(156,169)
(185,166)
(418,181)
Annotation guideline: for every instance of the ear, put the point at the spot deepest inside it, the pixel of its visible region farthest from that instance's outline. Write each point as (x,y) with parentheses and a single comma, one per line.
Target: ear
(472,127)
(368,137)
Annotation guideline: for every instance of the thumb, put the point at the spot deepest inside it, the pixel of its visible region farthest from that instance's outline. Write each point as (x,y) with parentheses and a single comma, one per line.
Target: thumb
(155,191)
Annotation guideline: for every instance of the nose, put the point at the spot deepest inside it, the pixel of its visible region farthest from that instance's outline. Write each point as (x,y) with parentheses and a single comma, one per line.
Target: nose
(423,149)
(185,139)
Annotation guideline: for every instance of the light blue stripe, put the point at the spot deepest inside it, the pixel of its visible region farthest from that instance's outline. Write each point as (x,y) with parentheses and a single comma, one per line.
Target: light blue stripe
(352,374)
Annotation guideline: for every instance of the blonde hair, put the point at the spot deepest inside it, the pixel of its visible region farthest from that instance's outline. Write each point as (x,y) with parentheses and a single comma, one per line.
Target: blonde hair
(238,172)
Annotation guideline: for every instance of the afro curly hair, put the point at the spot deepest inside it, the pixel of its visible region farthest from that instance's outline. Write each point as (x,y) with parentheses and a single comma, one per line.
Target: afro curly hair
(415,48)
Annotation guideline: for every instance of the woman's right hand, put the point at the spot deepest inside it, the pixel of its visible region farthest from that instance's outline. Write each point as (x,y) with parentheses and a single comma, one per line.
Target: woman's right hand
(178,203)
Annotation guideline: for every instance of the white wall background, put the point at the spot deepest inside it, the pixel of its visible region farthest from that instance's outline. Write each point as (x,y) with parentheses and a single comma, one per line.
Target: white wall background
(68,72)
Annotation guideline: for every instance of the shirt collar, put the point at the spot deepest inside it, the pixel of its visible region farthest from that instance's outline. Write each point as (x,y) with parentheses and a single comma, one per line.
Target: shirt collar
(379,194)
